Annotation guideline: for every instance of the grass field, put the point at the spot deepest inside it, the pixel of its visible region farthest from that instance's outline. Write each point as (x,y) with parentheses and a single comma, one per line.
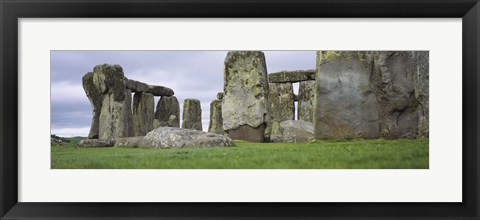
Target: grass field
(357,154)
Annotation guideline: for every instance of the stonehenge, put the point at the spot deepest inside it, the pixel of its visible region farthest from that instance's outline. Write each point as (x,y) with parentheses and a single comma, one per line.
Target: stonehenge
(114,114)
(350,94)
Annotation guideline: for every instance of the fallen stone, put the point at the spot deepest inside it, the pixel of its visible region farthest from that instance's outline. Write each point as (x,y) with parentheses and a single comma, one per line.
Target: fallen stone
(166,107)
(160,91)
(192,114)
(169,137)
(245,101)
(291,76)
(96,143)
(282,105)
(128,141)
(216,122)
(143,113)
(295,131)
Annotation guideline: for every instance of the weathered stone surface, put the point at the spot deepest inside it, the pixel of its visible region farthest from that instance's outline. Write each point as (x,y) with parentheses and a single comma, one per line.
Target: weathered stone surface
(291,76)
(245,100)
(143,113)
(192,114)
(295,131)
(115,118)
(173,121)
(128,141)
(282,105)
(166,107)
(169,137)
(220,95)
(110,79)
(160,90)
(346,106)
(306,96)
(96,98)
(216,122)
(136,86)
(422,92)
(249,133)
(394,76)
(96,143)
(157,123)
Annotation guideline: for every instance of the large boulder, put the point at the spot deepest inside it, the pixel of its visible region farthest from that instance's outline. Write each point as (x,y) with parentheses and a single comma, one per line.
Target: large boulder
(96,98)
(282,105)
(192,114)
(167,107)
(160,90)
(306,98)
(216,122)
(295,131)
(245,103)
(394,74)
(143,113)
(169,137)
(128,141)
(346,105)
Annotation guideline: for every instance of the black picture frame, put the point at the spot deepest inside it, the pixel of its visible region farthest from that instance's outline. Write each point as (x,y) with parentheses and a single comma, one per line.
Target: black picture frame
(12,10)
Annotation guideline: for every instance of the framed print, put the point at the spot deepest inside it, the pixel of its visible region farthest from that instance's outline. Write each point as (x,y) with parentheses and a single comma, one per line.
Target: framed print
(227,109)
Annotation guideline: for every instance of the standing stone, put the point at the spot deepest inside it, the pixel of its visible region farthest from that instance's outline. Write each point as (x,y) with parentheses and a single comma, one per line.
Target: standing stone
(115,113)
(422,92)
(216,122)
(96,99)
(115,118)
(192,114)
(245,106)
(394,76)
(306,96)
(143,114)
(345,103)
(282,106)
(168,106)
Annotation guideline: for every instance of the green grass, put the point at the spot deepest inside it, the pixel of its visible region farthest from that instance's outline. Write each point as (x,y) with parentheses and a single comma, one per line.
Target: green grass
(357,154)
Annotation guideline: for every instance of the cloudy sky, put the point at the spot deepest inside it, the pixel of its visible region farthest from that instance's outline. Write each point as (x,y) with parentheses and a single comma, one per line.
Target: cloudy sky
(191,74)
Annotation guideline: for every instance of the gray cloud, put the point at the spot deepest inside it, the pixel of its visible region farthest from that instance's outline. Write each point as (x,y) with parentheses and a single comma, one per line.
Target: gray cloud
(191,74)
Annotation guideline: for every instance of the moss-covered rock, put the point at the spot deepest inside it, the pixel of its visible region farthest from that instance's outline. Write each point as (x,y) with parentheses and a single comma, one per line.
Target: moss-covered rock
(306,95)
(282,106)
(291,76)
(143,113)
(110,79)
(245,100)
(216,122)
(115,118)
(192,114)
(96,98)
(167,107)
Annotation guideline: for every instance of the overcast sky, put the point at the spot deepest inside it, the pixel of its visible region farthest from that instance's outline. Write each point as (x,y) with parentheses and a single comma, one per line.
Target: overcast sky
(191,74)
